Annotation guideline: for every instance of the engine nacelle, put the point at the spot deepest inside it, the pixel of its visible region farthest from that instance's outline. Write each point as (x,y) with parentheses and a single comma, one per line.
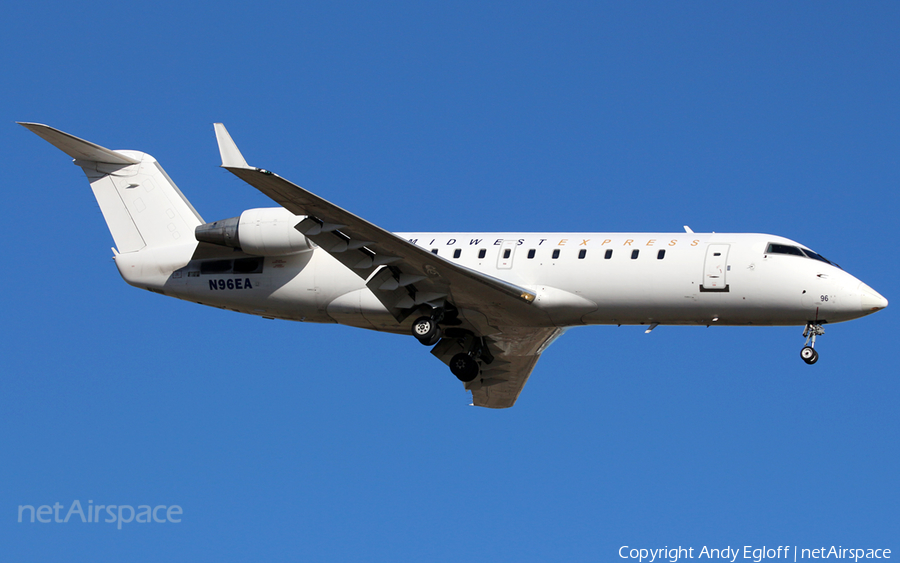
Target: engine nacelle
(267,231)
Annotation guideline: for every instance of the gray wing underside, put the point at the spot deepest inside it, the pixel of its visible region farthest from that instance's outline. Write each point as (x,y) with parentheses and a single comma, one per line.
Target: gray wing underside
(516,350)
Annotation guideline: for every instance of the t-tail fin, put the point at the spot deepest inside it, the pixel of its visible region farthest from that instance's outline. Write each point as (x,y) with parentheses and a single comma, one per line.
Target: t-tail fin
(142,206)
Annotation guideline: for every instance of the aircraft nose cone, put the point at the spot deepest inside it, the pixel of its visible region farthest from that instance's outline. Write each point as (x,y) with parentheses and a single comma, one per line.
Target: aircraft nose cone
(870,300)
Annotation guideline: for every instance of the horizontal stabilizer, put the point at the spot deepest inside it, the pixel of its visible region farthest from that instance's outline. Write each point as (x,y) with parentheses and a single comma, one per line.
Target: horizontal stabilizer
(79,149)
(231,156)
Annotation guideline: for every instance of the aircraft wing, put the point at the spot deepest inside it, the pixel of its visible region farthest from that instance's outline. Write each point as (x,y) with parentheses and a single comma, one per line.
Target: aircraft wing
(404,276)
(413,275)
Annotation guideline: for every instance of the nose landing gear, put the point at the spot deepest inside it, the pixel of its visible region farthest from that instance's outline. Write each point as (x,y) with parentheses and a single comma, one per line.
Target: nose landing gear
(808,353)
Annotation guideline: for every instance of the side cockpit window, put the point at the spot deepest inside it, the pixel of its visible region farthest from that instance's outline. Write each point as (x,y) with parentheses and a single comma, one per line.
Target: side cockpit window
(784,249)
(776,248)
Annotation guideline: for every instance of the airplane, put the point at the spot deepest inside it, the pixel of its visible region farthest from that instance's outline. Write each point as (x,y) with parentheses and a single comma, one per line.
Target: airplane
(487,304)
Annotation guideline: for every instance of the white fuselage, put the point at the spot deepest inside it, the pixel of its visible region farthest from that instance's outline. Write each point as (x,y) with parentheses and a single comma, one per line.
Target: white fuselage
(488,304)
(620,278)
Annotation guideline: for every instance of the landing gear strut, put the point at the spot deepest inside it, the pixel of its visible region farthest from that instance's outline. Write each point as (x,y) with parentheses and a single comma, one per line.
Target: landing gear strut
(808,353)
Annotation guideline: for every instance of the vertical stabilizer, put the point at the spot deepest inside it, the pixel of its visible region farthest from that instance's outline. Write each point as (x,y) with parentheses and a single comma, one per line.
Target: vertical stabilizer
(142,206)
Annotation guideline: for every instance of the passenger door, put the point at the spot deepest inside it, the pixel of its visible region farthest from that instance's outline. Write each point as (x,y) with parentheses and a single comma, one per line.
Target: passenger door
(715,268)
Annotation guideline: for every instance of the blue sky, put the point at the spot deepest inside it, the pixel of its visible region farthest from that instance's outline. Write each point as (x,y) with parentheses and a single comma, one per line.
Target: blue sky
(288,442)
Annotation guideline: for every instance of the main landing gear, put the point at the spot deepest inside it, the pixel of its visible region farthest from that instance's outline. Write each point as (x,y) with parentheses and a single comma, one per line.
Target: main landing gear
(808,353)
(426,329)
(463,365)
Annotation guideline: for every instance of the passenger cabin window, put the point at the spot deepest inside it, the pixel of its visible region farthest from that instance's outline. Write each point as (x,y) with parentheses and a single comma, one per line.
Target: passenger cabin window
(661,254)
(530,253)
(457,253)
(555,253)
(634,254)
(582,253)
(608,254)
(482,252)
(434,250)
(506,253)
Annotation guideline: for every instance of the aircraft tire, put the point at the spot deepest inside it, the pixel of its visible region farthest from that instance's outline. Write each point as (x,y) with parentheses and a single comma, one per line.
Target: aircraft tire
(426,330)
(464,367)
(434,339)
(809,355)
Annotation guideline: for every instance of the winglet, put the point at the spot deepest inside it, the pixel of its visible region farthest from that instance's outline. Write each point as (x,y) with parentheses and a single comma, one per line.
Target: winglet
(231,156)
(79,149)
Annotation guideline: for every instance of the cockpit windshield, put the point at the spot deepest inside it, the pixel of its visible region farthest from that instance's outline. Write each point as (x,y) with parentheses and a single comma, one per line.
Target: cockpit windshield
(776,248)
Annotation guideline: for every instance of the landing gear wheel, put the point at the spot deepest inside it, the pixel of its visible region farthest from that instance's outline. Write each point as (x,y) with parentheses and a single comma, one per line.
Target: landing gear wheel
(426,331)
(464,367)
(434,338)
(809,355)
